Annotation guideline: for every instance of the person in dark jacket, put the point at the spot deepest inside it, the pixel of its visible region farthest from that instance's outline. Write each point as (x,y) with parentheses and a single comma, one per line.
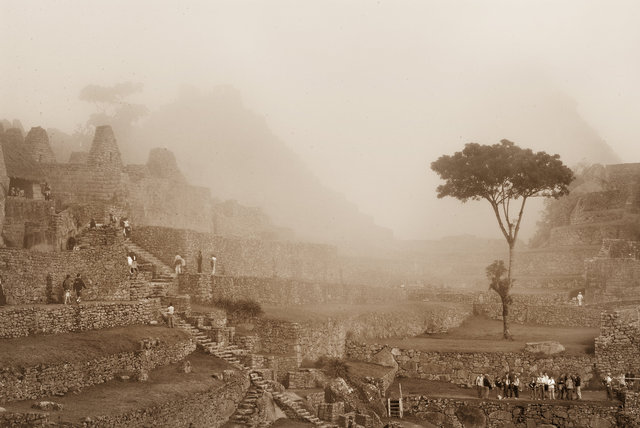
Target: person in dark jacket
(78,286)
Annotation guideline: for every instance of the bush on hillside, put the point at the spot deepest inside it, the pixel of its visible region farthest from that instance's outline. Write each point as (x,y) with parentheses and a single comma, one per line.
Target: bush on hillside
(243,308)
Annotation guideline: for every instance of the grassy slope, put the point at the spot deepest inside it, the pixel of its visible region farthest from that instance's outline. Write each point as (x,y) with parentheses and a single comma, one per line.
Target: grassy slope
(53,349)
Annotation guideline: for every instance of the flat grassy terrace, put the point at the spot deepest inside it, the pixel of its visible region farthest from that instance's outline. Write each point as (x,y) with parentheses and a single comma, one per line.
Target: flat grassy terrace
(116,397)
(80,346)
(478,334)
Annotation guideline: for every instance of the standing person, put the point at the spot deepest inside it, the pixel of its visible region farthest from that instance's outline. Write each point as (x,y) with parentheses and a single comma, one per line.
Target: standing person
(532,388)
(499,384)
(569,385)
(580,297)
(67,284)
(561,386)
(3,297)
(78,286)
(178,263)
(515,386)
(552,388)
(608,385)
(213,264)
(92,223)
(486,386)
(199,261)
(479,383)
(170,311)
(578,384)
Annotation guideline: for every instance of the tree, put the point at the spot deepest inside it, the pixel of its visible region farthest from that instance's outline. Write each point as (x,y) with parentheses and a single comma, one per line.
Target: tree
(506,176)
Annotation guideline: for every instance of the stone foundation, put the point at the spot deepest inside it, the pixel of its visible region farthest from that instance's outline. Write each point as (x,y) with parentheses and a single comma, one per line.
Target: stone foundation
(443,412)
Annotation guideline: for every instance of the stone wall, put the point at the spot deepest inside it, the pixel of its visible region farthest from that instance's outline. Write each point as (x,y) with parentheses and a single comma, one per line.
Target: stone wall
(39,381)
(25,273)
(281,291)
(462,367)
(565,315)
(447,412)
(208,409)
(55,319)
(615,273)
(303,340)
(242,257)
(618,346)
(553,261)
(591,234)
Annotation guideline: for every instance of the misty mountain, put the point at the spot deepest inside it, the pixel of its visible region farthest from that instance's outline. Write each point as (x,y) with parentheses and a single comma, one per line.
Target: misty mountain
(221,144)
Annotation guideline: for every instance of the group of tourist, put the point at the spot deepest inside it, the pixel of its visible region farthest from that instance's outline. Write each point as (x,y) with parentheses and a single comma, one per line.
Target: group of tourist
(14,191)
(506,386)
(77,285)
(541,387)
(565,387)
(179,263)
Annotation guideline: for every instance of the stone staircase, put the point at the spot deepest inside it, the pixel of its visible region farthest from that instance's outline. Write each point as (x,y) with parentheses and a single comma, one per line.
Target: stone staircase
(164,276)
(296,407)
(229,353)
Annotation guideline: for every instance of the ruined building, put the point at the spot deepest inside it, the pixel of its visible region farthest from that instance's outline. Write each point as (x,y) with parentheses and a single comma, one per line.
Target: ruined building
(601,217)
(97,184)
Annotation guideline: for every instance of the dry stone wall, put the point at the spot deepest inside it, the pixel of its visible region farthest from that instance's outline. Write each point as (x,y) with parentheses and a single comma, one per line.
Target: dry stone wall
(282,291)
(444,412)
(25,273)
(566,315)
(242,257)
(462,367)
(24,383)
(618,346)
(615,273)
(55,319)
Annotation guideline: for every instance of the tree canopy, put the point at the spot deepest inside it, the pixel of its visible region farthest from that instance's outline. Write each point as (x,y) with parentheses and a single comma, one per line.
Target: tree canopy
(502,173)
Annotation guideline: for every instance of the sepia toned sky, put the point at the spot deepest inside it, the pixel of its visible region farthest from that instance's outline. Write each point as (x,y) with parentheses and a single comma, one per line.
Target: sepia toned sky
(367,93)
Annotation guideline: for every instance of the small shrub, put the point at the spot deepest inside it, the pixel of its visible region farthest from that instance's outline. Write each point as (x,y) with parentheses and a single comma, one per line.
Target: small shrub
(332,367)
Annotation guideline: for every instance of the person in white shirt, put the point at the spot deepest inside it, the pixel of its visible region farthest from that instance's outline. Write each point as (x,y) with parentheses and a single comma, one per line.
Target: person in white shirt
(170,311)
(552,388)
(213,264)
(580,297)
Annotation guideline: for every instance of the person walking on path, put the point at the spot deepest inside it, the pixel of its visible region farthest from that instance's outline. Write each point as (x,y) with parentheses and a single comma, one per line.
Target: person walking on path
(78,286)
(199,261)
(170,311)
(67,285)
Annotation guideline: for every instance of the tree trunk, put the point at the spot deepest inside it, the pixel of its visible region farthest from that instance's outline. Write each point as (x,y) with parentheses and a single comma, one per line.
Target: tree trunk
(506,299)
(506,333)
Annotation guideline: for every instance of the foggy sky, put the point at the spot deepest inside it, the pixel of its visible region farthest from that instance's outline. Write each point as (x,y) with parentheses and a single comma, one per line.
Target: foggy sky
(367,93)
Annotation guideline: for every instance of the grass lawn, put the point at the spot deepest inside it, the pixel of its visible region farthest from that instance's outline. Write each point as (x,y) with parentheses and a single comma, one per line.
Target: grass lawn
(58,348)
(478,334)
(116,397)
